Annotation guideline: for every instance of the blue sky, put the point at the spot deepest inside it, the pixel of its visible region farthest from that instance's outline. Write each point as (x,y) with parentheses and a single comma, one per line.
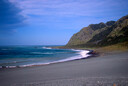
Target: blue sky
(53,22)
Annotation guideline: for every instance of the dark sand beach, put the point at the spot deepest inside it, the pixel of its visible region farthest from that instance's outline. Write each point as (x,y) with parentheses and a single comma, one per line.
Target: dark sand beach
(105,70)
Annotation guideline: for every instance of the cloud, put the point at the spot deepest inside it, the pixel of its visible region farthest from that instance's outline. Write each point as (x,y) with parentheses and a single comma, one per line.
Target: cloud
(47,10)
(10,17)
(69,7)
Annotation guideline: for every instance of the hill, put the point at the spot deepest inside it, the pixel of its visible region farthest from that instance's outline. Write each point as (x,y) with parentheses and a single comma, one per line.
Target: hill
(102,34)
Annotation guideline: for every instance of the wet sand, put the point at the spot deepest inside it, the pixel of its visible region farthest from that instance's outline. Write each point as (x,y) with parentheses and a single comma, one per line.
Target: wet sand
(106,70)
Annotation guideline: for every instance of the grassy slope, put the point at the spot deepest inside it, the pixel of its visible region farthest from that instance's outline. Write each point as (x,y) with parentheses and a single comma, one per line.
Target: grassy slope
(113,48)
(120,47)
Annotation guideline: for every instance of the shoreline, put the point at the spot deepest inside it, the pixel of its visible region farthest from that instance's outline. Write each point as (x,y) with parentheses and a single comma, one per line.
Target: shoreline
(84,55)
(92,53)
(107,69)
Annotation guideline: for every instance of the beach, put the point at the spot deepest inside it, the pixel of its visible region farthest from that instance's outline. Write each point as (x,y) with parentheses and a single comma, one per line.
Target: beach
(104,70)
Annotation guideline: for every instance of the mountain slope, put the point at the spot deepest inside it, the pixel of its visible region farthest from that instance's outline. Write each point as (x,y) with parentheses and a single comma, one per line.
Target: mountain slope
(101,34)
(119,33)
(87,33)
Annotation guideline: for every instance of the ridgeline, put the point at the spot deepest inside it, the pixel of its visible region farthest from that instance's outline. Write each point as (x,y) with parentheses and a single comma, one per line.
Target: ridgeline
(101,35)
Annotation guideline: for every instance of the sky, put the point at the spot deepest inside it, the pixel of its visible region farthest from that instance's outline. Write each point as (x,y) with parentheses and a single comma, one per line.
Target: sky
(53,22)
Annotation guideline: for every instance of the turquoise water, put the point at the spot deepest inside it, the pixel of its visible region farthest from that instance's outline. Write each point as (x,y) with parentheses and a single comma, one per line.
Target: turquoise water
(34,55)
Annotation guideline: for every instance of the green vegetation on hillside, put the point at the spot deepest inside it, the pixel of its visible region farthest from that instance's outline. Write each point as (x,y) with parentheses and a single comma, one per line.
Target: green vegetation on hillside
(101,35)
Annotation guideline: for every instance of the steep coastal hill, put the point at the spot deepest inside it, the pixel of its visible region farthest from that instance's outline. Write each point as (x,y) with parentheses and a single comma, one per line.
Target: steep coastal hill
(102,34)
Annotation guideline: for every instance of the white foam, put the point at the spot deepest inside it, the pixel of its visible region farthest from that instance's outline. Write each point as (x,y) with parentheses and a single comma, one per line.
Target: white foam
(82,54)
(11,66)
(47,47)
(8,67)
(75,50)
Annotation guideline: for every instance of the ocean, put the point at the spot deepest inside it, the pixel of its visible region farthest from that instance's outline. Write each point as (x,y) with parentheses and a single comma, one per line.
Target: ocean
(23,56)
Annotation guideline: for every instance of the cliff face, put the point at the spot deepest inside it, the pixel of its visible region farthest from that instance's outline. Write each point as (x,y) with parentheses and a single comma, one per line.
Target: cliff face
(101,34)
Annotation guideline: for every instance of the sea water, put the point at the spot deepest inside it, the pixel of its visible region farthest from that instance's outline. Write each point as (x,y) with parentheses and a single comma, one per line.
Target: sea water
(22,56)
